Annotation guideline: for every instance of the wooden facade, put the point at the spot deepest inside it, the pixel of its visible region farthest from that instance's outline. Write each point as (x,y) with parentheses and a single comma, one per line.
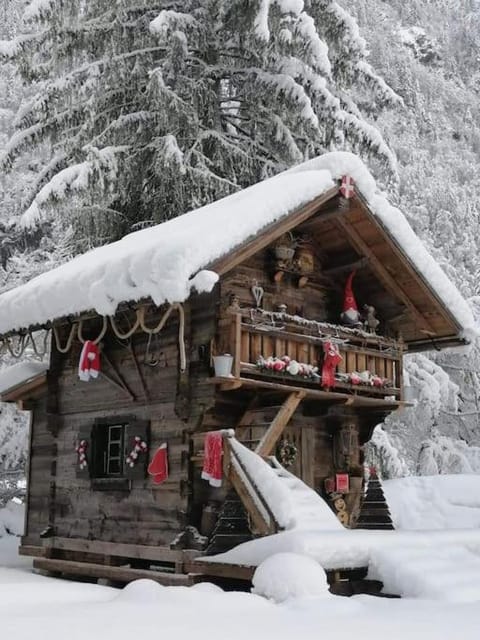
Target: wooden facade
(124,520)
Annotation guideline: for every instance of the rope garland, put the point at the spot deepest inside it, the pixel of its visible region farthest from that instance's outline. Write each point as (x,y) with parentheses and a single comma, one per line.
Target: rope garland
(68,344)
(129,333)
(77,327)
(103,331)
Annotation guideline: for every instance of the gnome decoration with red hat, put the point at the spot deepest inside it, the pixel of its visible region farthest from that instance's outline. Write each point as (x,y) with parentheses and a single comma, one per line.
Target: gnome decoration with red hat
(350,315)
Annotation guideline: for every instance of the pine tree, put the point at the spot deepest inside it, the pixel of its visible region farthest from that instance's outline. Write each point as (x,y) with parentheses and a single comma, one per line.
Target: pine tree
(13,185)
(152,108)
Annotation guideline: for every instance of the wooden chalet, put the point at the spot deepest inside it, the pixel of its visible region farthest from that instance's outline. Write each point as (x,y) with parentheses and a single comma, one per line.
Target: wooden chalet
(93,509)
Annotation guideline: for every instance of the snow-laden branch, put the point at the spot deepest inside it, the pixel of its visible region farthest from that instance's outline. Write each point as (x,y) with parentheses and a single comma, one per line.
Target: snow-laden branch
(75,178)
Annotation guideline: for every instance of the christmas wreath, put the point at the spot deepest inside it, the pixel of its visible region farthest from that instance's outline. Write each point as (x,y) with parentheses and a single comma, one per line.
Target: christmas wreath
(286,453)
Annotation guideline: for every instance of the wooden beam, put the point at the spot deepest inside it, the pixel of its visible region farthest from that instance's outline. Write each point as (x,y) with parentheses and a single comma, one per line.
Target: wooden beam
(342,268)
(237,341)
(354,399)
(263,522)
(416,274)
(221,569)
(269,234)
(31,550)
(260,525)
(108,572)
(122,550)
(267,444)
(389,282)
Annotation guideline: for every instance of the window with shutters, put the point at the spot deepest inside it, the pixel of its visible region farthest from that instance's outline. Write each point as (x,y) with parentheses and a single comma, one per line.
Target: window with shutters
(109,450)
(109,443)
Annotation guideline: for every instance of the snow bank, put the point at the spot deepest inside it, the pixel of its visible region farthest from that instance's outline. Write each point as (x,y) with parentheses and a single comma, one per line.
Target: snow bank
(435,502)
(58,609)
(450,573)
(290,575)
(12,518)
(349,548)
(160,262)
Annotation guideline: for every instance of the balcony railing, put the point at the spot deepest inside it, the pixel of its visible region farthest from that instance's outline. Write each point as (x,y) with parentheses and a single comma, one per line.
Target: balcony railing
(371,365)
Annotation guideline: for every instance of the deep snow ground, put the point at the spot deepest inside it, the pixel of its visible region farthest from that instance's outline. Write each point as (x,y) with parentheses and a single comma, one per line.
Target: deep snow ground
(51,609)
(33,606)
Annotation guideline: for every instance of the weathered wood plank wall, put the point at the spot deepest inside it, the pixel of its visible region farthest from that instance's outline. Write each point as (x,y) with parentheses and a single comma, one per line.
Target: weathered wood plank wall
(173,403)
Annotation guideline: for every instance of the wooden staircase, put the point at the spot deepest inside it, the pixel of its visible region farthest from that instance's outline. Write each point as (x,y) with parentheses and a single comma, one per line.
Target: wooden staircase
(258,429)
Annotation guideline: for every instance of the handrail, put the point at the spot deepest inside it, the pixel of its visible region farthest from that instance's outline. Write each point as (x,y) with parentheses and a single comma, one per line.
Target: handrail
(259,507)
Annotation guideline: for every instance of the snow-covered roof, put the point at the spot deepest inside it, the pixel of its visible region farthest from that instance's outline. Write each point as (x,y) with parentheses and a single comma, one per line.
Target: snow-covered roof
(20,374)
(167,261)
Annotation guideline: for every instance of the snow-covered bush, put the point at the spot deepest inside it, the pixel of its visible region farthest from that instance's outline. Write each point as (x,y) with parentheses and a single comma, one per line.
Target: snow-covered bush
(290,575)
(12,518)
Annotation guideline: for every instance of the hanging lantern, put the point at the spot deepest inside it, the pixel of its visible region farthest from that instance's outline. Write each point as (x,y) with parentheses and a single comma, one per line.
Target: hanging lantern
(348,440)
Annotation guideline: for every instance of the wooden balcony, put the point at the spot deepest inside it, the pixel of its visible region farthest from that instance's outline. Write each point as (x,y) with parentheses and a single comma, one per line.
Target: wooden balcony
(249,340)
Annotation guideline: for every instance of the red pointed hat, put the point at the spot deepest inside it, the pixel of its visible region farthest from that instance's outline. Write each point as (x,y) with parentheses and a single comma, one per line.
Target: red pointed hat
(349,303)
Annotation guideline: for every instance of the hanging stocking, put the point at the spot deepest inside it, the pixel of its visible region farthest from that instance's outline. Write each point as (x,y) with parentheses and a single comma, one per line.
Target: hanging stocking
(158,467)
(89,363)
(330,361)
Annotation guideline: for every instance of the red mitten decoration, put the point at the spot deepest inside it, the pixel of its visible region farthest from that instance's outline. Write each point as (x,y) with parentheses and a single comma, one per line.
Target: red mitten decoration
(158,467)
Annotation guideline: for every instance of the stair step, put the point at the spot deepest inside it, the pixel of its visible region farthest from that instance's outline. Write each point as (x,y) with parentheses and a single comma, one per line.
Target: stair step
(379,518)
(376,525)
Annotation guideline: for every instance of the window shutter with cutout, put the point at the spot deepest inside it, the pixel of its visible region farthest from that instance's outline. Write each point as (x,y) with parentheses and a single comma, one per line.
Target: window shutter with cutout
(137,429)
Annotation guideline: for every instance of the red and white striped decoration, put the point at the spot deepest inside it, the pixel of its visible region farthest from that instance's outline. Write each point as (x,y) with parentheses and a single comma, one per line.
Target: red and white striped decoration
(82,454)
(347,188)
(139,446)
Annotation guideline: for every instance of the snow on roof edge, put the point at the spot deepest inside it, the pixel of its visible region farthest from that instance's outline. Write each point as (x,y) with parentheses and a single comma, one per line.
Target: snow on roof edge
(19,374)
(165,262)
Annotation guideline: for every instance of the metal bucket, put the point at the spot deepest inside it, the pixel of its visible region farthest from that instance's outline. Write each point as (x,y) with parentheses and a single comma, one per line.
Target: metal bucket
(223,365)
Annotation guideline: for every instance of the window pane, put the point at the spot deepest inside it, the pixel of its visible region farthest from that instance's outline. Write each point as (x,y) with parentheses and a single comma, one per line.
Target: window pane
(114,466)
(115,450)
(116,432)
(109,450)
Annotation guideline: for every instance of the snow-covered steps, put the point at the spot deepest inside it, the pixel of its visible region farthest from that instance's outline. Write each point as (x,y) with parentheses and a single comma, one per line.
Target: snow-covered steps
(285,498)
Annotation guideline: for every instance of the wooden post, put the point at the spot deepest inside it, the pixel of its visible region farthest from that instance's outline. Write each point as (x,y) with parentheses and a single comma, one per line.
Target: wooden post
(237,341)
(276,428)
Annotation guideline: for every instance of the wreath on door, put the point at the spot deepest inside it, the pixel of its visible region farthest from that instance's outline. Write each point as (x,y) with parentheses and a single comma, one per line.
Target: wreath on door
(286,453)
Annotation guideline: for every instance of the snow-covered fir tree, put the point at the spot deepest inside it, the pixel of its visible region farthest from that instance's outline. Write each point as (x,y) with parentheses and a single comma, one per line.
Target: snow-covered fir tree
(154,108)
(428,52)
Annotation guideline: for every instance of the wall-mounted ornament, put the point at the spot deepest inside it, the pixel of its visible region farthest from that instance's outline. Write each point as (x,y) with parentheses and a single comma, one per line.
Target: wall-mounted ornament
(158,467)
(347,187)
(138,446)
(304,258)
(81,450)
(285,248)
(371,322)
(257,292)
